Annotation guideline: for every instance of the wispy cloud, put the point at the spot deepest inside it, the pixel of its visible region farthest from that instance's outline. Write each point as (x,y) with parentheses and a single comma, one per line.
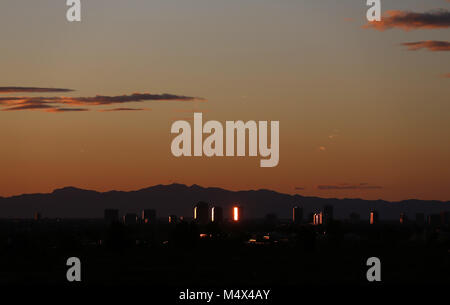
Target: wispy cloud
(430,45)
(32,89)
(66,109)
(35,103)
(28,106)
(346,186)
(124,109)
(437,19)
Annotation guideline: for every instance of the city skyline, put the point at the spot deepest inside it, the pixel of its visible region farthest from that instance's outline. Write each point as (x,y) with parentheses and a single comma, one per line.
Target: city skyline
(363,109)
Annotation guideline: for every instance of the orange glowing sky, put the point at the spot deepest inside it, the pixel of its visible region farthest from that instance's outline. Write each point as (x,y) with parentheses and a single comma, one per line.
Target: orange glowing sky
(364,111)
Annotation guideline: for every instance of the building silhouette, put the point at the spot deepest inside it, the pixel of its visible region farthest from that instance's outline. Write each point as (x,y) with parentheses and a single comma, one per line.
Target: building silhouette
(148,216)
(434,219)
(327,214)
(403,218)
(445,218)
(297,214)
(373,217)
(318,218)
(355,218)
(111,215)
(130,218)
(37,216)
(201,213)
(236,215)
(271,219)
(420,218)
(216,214)
(173,219)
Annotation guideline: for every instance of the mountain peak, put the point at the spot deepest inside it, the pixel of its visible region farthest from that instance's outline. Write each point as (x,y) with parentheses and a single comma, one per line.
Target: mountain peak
(69,189)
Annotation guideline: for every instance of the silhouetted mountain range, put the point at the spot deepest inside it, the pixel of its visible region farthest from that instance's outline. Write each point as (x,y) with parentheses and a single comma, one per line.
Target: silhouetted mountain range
(178,199)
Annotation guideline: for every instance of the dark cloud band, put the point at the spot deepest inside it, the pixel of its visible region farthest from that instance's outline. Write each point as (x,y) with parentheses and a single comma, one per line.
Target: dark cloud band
(430,45)
(438,19)
(32,89)
(30,103)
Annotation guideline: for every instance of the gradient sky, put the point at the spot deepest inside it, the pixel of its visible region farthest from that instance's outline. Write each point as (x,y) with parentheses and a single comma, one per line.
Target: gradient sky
(360,115)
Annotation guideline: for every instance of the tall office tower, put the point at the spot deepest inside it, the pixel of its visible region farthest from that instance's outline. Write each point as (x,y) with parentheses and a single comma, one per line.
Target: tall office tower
(445,218)
(236,213)
(201,213)
(318,218)
(327,214)
(297,215)
(217,214)
(373,217)
(111,215)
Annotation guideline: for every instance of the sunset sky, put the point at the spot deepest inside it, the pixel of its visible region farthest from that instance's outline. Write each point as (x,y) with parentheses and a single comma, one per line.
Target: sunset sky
(364,109)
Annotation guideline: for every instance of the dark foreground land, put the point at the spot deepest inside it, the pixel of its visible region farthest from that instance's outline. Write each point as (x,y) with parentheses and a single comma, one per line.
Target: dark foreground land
(244,254)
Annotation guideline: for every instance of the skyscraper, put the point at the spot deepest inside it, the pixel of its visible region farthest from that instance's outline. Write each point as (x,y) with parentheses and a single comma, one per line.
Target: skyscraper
(373,218)
(297,215)
(216,214)
(327,214)
(318,218)
(201,212)
(354,218)
(445,218)
(236,213)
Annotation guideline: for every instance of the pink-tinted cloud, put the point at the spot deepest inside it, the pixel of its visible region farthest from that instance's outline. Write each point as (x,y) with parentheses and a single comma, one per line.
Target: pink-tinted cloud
(438,19)
(430,45)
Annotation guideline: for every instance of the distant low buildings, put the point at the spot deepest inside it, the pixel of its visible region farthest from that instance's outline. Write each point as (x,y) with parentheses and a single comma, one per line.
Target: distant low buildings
(420,218)
(111,215)
(355,218)
(173,219)
(403,218)
(148,216)
(130,219)
(37,216)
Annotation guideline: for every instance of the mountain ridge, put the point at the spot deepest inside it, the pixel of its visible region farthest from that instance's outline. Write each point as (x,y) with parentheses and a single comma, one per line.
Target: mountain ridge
(176,198)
